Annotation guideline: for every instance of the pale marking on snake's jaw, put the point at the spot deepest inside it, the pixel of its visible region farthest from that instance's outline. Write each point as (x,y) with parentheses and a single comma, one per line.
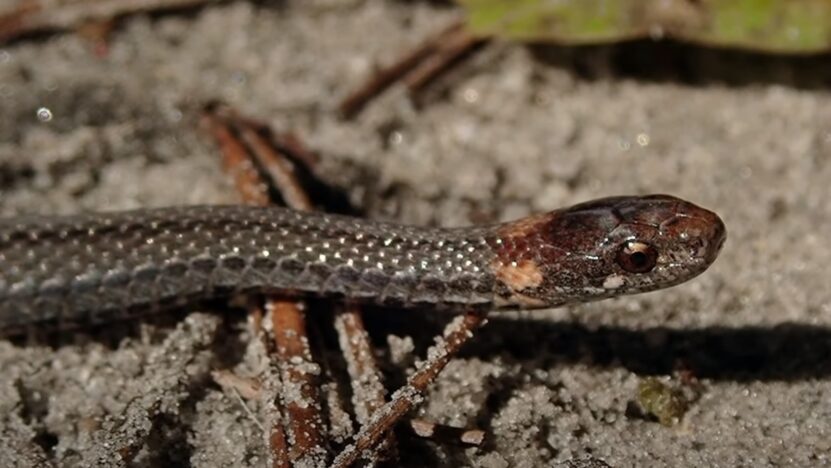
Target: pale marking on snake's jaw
(613,281)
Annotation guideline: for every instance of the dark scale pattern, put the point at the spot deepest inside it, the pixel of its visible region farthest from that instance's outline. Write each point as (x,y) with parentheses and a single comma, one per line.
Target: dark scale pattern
(95,268)
(103,267)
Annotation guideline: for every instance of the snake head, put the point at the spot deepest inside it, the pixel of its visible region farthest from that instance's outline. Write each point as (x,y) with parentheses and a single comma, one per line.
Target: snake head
(603,248)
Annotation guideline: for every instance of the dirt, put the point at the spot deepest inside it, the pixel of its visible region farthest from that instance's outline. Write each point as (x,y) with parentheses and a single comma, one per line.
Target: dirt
(511,131)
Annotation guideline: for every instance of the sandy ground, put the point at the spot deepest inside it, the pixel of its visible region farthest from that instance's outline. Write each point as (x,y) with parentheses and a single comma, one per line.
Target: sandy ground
(514,130)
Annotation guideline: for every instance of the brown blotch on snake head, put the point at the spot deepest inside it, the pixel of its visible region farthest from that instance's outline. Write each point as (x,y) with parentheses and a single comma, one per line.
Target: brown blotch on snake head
(607,247)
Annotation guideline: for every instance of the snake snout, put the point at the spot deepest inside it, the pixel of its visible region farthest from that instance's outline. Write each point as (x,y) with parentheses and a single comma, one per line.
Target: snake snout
(700,227)
(716,235)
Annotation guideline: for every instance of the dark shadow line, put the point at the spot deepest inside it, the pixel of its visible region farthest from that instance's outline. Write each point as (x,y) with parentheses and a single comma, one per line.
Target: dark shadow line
(691,64)
(785,352)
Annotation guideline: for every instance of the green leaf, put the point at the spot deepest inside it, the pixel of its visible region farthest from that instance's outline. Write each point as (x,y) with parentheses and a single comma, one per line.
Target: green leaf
(776,26)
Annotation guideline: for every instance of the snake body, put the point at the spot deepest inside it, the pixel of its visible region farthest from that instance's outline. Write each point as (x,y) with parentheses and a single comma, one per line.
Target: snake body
(96,268)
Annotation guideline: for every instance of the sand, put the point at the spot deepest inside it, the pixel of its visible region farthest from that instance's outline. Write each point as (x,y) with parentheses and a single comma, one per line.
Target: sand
(512,131)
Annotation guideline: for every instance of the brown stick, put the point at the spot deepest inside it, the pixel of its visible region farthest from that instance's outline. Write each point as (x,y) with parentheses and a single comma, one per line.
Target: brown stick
(31,16)
(300,395)
(279,453)
(294,145)
(456,334)
(251,389)
(236,162)
(451,49)
(383,78)
(305,423)
(368,390)
(263,389)
(279,169)
(279,447)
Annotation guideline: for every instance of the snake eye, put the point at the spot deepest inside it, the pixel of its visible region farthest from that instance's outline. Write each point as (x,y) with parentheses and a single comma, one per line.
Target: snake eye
(637,257)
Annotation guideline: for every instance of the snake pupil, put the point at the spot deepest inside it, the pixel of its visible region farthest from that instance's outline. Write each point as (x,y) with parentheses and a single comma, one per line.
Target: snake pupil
(637,257)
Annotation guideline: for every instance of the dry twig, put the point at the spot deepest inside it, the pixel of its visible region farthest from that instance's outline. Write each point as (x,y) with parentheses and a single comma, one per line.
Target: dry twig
(376,417)
(297,369)
(367,387)
(456,334)
(417,68)
(31,16)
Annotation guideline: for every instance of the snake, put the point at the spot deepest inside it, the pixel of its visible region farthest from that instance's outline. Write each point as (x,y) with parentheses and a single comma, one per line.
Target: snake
(96,268)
